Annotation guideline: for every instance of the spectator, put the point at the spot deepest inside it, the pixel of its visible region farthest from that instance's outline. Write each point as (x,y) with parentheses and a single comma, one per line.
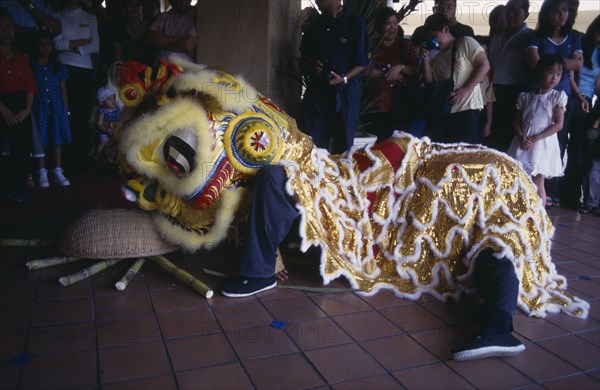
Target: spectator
(131,38)
(394,62)
(510,71)
(76,47)
(150,10)
(591,182)
(29,16)
(447,8)
(334,52)
(540,115)
(17,88)
(175,31)
(554,35)
(470,67)
(108,121)
(487,88)
(497,20)
(584,86)
(50,106)
(109,15)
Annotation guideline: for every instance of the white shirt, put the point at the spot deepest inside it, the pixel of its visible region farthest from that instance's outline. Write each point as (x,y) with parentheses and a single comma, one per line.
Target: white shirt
(77,24)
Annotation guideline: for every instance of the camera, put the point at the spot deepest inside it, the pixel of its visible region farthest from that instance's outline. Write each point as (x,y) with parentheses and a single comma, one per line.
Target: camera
(328,67)
(430,45)
(386,67)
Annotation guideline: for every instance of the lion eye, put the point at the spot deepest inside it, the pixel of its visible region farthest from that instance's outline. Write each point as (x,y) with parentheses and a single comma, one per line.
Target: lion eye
(179,152)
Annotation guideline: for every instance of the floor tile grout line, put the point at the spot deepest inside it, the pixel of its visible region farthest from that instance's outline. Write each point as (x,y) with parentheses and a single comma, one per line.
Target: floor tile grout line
(32,309)
(161,334)
(96,336)
(301,350)
(235,353)
(581,373)
(559,356)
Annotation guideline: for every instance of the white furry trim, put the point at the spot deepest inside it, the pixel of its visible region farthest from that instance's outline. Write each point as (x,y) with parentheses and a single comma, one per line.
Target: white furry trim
(157,127)
(239,97)
(192,241)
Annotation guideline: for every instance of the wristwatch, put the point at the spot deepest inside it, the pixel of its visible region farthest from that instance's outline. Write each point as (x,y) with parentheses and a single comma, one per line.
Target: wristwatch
(345,80)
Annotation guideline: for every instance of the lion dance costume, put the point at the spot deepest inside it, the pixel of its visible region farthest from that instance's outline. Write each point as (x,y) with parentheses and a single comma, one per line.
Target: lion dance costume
(405,214)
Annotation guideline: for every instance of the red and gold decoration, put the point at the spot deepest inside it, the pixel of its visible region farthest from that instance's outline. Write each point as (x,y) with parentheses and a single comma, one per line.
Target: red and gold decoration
(406,215)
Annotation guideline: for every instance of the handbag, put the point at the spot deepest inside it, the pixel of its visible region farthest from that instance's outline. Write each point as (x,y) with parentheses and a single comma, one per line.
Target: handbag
(437,93)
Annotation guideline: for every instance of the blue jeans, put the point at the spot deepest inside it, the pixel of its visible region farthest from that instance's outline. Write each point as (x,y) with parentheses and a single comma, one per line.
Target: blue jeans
(272,213)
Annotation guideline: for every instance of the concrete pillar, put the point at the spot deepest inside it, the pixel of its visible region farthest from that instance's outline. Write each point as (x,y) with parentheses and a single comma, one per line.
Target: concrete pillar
(258,39)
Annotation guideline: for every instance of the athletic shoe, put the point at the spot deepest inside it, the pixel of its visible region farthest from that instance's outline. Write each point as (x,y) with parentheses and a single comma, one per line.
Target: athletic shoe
(43,178)
(59,177)
(244,287)
(489,346)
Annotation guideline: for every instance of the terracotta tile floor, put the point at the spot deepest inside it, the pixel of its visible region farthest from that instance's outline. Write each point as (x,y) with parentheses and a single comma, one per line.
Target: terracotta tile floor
(158,334)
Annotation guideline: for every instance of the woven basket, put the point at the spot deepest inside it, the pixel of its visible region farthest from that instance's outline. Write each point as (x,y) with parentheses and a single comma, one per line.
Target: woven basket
(111,234)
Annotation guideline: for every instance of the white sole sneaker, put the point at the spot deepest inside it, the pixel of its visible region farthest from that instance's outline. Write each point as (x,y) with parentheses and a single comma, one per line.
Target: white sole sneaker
(492,351)
(241,295)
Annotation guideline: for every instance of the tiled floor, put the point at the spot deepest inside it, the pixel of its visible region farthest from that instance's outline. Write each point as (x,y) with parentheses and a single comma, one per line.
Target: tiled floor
(158,334)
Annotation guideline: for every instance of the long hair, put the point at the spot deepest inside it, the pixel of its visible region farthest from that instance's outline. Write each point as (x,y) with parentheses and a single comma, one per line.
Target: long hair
(53,61)
(544,25)
(589,44)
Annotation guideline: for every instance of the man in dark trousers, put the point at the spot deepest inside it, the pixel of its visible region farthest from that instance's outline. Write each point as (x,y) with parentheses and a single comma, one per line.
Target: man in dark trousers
(334,51)
(510,71)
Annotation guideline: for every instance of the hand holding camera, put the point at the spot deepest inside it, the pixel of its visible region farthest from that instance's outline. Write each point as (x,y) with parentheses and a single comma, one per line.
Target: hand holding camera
(431,44)
(428,46)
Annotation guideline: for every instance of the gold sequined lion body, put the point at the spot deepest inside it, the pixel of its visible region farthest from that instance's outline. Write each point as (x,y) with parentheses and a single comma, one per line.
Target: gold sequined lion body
(405,214)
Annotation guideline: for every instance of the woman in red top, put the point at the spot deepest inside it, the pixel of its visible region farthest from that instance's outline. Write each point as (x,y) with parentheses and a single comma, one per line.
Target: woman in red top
(17,87)
(394,64)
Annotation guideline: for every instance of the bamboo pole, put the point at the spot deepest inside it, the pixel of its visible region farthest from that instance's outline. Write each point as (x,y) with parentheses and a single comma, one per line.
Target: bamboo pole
(129,275)
(51,261)
(35,242)
(183,276)
(87,272)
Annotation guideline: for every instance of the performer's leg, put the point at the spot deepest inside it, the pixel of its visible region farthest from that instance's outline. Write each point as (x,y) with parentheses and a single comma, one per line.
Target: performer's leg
(498,285)
(272,213)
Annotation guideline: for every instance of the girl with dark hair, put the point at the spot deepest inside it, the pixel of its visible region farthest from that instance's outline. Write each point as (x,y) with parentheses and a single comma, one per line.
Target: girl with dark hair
(555,35)
(540,115)
(50,105)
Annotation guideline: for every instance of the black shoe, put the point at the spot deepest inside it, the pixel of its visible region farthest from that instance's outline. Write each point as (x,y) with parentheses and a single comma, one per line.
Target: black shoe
(489,346)
(586,210)
(244,287)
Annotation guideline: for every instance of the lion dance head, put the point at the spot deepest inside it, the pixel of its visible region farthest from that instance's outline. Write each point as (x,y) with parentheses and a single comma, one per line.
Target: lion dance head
(197,139)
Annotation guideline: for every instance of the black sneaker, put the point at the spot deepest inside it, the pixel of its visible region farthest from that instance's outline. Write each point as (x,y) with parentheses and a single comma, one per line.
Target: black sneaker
(489,346)
(244,287)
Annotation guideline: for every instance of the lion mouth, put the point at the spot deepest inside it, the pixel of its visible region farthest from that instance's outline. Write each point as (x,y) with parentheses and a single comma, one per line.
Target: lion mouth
(179,153)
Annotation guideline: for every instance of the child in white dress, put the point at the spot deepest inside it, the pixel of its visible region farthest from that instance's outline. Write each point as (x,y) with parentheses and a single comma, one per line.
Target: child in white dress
(540,115)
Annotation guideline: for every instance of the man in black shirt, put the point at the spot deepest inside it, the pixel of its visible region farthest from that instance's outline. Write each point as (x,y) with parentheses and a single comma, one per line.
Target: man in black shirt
(448,9)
